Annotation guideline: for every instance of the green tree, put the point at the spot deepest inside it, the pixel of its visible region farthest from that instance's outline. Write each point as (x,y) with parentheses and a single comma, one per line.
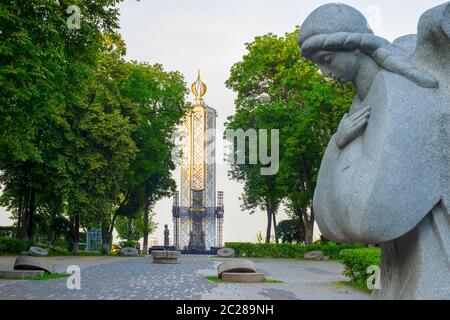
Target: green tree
(160,96)
(131,228)
(260,191)
(278,89)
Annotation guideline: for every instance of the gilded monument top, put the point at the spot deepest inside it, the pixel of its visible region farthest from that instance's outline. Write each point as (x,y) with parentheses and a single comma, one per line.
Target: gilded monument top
(199,88)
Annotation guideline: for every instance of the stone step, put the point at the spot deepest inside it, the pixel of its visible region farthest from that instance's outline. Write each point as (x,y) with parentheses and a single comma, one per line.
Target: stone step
(20,274)
(252,277)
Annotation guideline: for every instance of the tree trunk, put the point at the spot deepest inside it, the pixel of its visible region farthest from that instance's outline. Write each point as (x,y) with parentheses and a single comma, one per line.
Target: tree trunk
(302,228)
(269,224)
(105,237)
(20,214)
(51,232)
(76,233)
(31,212)
(275,226)
(111,228)
(146,214)
(308,221)
(113,221)
(25,214)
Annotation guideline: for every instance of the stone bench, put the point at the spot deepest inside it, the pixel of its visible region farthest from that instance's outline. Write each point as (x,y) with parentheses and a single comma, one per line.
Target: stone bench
(236,266)
(129,252)
(32,263)
(226,252)
(166,257)
(38,252)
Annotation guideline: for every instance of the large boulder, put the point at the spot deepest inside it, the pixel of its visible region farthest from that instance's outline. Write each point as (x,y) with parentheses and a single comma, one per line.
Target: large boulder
(32,263)
(315,255)
(129,252)
(236,266)
(38,252)
(226,252)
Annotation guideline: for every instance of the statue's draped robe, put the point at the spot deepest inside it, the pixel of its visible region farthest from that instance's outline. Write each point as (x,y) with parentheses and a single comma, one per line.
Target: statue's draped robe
(391,185)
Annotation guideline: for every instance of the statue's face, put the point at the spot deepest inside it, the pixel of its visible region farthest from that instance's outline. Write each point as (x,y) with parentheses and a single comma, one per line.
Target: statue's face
(340,65)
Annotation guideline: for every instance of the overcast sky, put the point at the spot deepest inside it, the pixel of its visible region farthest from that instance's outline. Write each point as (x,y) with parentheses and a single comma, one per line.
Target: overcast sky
(186,35)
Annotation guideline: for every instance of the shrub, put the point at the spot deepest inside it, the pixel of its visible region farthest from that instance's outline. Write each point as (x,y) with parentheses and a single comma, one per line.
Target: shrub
(128,244)
(13,245)
(286,250)
(57,251)
(357,261)
(103,251)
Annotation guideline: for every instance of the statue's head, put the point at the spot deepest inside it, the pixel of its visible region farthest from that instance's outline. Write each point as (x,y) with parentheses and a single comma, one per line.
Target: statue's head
(319,41)
(342,66)
(338,39)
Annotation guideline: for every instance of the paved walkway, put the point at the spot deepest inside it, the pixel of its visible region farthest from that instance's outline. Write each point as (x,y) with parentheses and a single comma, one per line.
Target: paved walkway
(106,278)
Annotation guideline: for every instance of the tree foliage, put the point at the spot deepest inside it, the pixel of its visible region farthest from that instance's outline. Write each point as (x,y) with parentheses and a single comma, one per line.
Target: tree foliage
(131,228)
(278,89)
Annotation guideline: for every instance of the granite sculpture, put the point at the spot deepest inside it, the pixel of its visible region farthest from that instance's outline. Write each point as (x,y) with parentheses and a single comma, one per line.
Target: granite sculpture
(166,236)
(385,176)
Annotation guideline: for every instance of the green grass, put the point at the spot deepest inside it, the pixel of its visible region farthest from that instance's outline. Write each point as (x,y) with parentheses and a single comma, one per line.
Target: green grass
(217,280)
(49,276)
(45,276)
(355,285)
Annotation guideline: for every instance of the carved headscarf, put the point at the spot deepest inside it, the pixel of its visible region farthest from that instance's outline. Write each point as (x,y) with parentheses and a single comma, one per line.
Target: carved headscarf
(340,27)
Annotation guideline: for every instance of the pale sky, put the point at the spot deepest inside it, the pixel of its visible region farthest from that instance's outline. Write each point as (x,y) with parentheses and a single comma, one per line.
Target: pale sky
(185,35)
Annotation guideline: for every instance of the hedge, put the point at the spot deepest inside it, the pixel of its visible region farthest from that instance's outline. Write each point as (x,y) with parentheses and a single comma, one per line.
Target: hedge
(16,246)
(13,246)
(286,250)
(357,261)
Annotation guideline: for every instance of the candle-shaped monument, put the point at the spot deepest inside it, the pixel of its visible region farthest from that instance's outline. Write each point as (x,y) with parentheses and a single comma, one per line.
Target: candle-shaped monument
(197,212)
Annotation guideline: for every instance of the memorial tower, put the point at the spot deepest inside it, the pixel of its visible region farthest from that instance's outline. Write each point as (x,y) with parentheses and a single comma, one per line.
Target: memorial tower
(197,208)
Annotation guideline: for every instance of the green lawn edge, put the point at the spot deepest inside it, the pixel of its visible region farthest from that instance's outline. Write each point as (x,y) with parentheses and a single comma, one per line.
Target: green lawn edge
(216,279)
(355,286)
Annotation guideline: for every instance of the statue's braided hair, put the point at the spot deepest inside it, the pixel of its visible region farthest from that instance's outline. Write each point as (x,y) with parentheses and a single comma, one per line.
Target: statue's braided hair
(385,54)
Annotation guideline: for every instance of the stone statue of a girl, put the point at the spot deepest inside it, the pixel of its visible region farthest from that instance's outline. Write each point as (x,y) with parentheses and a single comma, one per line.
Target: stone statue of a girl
(385,177)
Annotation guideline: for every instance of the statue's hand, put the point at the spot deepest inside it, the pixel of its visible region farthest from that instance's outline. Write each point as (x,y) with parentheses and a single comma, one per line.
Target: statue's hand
(351,127)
